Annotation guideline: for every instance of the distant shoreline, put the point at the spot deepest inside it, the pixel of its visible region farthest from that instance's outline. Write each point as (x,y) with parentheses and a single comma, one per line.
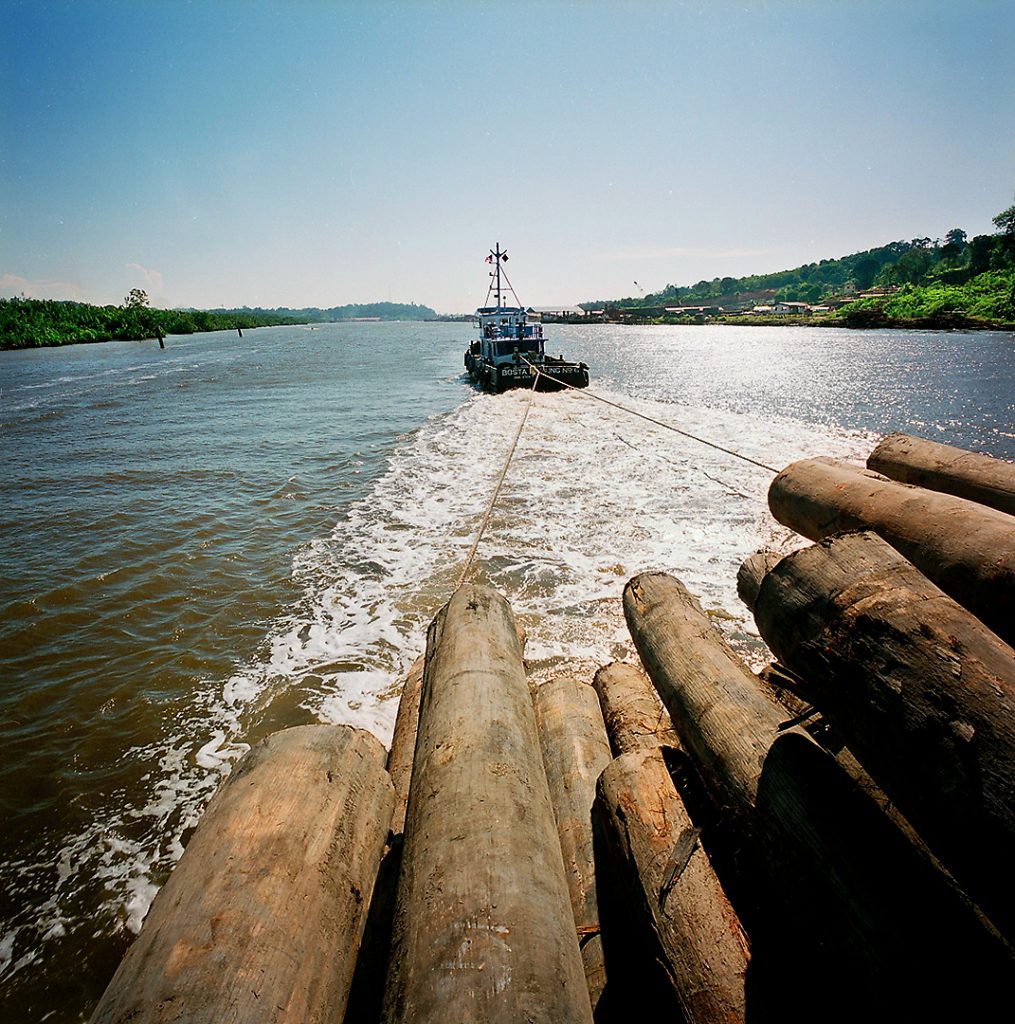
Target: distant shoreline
(857,321)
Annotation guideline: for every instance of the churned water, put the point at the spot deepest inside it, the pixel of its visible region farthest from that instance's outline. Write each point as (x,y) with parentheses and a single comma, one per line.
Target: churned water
(207,543)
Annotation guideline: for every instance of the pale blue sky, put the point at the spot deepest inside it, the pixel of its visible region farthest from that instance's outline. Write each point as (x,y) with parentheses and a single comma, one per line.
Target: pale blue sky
(223,152)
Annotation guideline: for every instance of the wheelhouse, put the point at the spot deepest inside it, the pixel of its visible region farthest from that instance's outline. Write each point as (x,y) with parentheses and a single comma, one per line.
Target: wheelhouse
(505,331)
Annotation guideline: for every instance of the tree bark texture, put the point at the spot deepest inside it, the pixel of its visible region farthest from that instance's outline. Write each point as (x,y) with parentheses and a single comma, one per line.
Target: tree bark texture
(921,691)
(635,718)
(825,877)
(575,751)
(483,924)
(968,550)
(752,572)
(725,721)
(940,467)
(403,742)
(672,889)
(261,919)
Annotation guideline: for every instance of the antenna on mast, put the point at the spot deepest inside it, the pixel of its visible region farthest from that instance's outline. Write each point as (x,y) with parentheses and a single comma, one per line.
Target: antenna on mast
(498,256)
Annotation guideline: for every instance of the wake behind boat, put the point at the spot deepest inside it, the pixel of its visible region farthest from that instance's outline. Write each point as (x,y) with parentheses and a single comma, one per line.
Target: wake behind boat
(510,348)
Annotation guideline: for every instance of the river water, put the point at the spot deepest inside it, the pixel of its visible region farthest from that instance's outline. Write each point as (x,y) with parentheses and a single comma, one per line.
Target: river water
(204,544)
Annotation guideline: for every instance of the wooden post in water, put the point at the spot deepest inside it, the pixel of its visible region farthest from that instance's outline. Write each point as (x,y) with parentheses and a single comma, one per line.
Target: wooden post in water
(921,690)
(967,549)
(575,751)
(940,467)
(635,718)
(261,919)
(483,923)
(670,887)
(868,919)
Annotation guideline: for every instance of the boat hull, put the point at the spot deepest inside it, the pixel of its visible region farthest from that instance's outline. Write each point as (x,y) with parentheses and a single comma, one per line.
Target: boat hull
(555,375)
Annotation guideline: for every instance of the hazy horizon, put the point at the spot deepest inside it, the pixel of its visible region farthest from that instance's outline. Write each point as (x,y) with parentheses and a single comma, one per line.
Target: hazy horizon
(220,154)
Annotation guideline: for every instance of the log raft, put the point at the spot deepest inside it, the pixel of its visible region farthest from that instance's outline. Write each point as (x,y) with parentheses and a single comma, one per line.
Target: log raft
(484,823)
(825,871)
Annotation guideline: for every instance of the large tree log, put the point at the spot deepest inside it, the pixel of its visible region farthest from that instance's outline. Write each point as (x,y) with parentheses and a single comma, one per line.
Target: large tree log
(262,917)
(752,572)
(635,719)
(868,918)
(672,888)
(940,467)
(483,924)
(403,742)
(922,692)
(724,720)
(968,550)
(575,751)
(403,739)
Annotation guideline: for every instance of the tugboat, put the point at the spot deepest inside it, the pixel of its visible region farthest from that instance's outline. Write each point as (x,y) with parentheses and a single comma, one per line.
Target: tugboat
(509,352)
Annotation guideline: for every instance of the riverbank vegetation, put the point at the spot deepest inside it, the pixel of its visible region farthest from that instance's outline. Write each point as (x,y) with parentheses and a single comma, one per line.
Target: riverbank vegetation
(956,281)
(34,323)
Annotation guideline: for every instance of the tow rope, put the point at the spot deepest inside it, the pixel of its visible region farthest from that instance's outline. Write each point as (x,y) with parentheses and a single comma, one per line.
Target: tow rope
(537,373)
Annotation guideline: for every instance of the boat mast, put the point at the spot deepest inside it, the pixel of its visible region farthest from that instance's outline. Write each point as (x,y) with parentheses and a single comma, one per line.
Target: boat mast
(497,257)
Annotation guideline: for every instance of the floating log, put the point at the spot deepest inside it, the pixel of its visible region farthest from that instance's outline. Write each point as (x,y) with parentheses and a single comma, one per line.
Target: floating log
(752,572)
(575,751)
(867,917)
(922,692)
(635,718)
(967,549)
(940,467)
(262,917)
(672,888)
(403,742)
(483,924)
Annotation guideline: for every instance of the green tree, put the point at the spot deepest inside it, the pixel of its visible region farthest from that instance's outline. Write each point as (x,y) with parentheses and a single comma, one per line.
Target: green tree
(864,272)
(1005,221)
(955,244)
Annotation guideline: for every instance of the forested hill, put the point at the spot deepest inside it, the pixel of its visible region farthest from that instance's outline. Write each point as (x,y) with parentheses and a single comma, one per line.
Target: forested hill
(922,261)
(312,314)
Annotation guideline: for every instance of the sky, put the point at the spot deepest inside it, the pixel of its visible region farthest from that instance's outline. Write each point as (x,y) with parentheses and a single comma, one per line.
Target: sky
(310,153)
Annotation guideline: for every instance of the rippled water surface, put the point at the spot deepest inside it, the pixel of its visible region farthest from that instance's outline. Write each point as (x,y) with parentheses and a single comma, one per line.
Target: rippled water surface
(207,543)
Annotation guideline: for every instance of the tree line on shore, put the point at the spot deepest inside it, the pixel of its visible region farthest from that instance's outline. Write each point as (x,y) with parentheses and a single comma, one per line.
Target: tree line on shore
(34,323)
(919,279)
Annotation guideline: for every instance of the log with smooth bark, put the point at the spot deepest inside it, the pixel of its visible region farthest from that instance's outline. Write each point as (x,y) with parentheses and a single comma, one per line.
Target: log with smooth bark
(575,751)
(725,721)
(672,889)
(941,467)
(967,549)
(921,691)
(262,917)
(635,718)
(483,923)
